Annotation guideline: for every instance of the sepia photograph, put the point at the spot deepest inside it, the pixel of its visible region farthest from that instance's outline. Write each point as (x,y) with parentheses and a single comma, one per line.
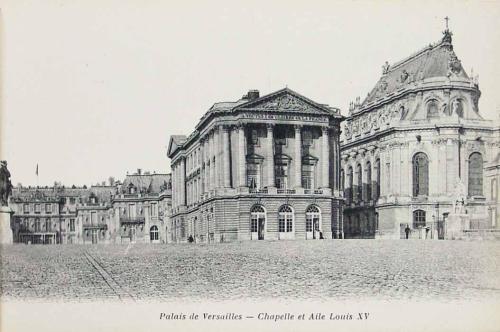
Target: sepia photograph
(240,166)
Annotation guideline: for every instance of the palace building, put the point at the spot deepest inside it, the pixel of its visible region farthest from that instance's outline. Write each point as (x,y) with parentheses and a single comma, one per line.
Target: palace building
(260,168)
(133,211)
(415,151)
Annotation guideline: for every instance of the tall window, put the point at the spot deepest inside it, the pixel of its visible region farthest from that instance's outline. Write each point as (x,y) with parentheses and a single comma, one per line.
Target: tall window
(368,181)
(285,219)
(377,186)
(420,174)
(388,176)
(93,218)
(38,225)
(47,225)
(256,213)
(359,173)
(253,175)
(26,208)
(281,174)
(418,218)
(312,218)
(72,225)
(48,208)
(308,176)
(153,233)
(475,174)
(154,209)
(37,208)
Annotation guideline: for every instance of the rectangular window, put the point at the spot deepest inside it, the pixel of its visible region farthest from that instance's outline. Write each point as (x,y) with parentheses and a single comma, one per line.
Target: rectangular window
(72,225)
(154,209)
(48,208)
(26,208)
(72,200)
(254,137)
(281,224)
(309,227)
(308,176)
(307,138)
(93,218)
(37,208)
(131,211)
(47,225)
(254,225)
(253,176)
(281,174)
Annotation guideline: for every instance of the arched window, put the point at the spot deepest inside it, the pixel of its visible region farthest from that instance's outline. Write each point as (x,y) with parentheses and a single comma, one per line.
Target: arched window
(313,219)
(257,212)
(432,109)
(359,191)
(368,181)
(420,174)
(377,185)
(418,218)
(475,174)
(285,219)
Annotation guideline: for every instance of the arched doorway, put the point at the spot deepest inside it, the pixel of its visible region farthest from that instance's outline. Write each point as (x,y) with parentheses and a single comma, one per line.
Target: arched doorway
(313,223)
(257,222)
(154,234)
(285,222)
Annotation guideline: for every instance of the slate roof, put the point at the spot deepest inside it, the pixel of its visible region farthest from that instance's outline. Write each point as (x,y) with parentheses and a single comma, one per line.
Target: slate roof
(147,183)
(432,61)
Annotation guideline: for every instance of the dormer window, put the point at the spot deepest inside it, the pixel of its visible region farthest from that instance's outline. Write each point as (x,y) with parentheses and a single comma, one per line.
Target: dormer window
(131,189)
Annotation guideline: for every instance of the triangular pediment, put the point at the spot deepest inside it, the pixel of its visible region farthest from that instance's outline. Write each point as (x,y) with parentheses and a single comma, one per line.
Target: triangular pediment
(286,100)
(175,143)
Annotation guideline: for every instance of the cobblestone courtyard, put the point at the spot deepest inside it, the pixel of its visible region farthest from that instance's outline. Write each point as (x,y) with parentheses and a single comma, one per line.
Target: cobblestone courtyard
(349,269)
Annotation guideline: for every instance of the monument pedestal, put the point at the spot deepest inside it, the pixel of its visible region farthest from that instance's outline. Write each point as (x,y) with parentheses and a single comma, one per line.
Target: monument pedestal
(455,225)
(6,234)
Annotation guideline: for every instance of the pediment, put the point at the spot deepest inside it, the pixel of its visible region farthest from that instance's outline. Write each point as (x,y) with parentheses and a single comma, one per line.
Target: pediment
(254,158)
(285,100)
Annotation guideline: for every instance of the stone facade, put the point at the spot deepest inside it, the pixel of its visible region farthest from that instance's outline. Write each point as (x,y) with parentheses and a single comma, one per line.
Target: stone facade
(258,168)
(98,214)
(415,147)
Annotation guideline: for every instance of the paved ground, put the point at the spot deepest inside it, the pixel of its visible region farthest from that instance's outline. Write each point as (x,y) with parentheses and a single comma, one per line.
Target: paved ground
(349,269)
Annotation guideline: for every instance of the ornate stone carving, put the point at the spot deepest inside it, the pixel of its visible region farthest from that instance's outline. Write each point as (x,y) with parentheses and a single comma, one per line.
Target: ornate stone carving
(285,102)
(457,107)
(404,76)
(454,64)
(385,68)
(5,184)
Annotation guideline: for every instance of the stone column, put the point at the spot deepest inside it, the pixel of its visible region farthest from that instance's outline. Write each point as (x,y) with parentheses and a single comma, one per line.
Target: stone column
(226,160)
(270,155)
(216,157)
(182,188)
(298,156)
(241,156)
(325,160)
(211,161)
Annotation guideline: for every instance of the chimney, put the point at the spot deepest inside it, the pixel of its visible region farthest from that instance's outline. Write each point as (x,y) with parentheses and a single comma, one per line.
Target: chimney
(139,171)
(253,94)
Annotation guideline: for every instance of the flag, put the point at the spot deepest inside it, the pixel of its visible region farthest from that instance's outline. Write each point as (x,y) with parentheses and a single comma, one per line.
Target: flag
(36,170)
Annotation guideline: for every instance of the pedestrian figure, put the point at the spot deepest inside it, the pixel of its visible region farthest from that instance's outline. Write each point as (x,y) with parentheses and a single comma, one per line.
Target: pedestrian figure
(407,231)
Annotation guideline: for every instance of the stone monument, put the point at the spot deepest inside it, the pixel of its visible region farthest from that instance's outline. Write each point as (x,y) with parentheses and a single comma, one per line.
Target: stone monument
(458,221)
(6,235)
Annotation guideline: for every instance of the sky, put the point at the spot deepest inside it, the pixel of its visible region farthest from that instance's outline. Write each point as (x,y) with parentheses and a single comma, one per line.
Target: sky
(92,89)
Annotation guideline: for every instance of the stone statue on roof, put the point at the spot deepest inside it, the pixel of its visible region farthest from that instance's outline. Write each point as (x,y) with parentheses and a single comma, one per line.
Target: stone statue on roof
(385,68)
(5,184)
